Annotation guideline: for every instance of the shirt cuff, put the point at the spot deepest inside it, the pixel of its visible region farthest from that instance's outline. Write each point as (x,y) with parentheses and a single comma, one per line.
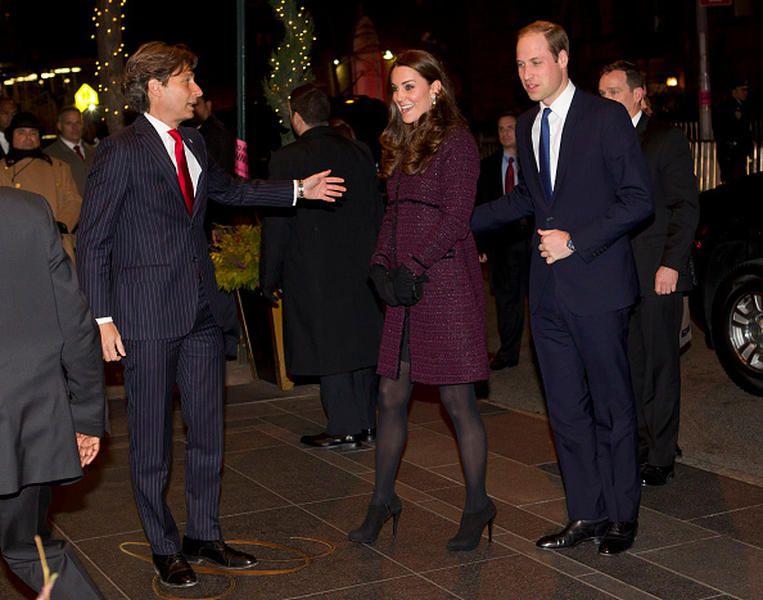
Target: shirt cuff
(103,320)
(294,202)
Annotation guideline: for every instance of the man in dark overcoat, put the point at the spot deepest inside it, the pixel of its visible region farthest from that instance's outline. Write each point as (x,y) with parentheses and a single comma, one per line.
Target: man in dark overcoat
(319,257)
(52,396)
(662,250)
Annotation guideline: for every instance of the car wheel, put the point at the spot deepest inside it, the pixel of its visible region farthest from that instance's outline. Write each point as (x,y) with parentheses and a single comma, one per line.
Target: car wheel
(738,327)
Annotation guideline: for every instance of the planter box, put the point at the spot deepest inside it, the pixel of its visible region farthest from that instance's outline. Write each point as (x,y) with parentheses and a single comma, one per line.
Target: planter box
(262,332)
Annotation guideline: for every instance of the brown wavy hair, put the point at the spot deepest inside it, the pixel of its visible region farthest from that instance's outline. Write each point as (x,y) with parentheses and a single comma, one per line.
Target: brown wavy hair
(153,60)
(412,145)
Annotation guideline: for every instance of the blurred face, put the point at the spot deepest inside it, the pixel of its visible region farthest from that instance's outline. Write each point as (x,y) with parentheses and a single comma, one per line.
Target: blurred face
(740,93)
(7,112)
(174,102)
(411,93)
(507,132)
(614,86)
(26,138)
(203,109)
(70,126)
(542,77)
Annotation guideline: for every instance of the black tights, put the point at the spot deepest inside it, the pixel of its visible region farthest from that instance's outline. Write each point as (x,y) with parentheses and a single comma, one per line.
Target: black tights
(461,403)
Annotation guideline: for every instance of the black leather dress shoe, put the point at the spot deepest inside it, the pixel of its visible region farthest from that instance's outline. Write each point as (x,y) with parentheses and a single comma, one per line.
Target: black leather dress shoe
(502,363)
(574,533)
(653,475)
(619,537)
(217,553)
(174,571)
(325,440)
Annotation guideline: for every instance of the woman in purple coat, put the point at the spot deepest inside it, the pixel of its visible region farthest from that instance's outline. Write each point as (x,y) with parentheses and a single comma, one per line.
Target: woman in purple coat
(426,270)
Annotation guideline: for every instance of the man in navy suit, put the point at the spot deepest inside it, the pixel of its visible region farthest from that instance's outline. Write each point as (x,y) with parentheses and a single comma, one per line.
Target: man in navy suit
(145,268)
(583,177)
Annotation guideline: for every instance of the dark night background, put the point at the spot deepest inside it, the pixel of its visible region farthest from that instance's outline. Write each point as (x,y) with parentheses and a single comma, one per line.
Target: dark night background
(474,37)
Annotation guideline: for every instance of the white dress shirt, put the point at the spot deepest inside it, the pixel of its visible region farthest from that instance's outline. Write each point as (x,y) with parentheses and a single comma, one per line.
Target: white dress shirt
(163,130)
(559,109)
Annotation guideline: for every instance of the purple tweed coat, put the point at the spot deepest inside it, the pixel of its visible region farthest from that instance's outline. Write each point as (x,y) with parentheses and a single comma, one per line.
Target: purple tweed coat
(426,228)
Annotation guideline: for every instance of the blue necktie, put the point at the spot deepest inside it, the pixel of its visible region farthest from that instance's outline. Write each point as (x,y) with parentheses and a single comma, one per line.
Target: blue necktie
(544,154)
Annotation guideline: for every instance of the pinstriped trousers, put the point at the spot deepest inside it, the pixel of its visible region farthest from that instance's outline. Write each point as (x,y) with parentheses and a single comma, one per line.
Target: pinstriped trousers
(196,364)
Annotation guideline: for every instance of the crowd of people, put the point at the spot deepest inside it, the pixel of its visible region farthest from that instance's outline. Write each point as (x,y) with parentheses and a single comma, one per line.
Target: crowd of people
(591,195)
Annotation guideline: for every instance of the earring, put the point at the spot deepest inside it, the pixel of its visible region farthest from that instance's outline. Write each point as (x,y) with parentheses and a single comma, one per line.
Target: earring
(434,99)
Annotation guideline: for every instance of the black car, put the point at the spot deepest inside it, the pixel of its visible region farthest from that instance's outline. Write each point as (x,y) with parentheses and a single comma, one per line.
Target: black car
(728,258)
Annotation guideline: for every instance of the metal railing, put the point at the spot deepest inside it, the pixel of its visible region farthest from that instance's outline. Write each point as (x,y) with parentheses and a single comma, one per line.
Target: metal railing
(704,154)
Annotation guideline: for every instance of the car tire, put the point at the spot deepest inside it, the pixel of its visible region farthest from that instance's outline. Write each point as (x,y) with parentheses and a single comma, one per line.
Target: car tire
(737,325)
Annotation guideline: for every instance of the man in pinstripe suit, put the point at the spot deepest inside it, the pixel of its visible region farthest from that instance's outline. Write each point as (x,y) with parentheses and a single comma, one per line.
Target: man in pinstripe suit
(145,269)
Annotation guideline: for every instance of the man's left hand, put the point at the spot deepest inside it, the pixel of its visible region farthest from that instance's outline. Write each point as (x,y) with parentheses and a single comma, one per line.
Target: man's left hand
(322,187)
(88,446)
(553,244)
(665,281)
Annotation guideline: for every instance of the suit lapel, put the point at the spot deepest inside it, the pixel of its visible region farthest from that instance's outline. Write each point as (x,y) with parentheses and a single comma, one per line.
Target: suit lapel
(567,148)
(530,174)
(156,147)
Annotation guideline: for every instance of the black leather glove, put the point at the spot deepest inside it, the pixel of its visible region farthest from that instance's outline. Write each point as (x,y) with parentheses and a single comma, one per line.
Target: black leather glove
(407,287)
(383,284)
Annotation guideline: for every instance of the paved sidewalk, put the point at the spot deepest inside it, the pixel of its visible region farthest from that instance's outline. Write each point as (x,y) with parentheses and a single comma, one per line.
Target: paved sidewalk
(700,537)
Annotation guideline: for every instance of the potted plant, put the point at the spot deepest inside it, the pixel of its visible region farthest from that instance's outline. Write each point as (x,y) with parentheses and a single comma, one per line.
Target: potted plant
(235,253)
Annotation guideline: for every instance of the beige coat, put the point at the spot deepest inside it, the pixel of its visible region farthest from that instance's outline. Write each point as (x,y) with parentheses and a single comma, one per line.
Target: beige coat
(54,183)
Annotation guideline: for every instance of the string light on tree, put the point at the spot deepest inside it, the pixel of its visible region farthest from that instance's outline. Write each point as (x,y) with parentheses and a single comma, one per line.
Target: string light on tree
(108,20)
(290,62)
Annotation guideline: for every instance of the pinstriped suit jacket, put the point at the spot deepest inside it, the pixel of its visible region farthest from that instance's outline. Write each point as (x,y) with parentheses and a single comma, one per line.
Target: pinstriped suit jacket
(141,257)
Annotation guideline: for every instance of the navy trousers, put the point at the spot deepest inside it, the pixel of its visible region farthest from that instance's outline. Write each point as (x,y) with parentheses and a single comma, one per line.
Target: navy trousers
(586,377)
(196,364)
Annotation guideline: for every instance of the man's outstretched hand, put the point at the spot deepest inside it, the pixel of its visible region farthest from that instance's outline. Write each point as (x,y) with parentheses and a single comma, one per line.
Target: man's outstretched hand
(322,187)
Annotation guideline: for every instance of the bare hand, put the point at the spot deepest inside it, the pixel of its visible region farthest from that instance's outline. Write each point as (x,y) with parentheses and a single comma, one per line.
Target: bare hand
(322,187)
(483,258)
(553,244)
(111,342)
(665,281)
(88,446)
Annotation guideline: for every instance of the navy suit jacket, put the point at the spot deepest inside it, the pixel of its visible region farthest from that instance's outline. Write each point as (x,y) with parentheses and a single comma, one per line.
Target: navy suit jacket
(601,193)
(141,257)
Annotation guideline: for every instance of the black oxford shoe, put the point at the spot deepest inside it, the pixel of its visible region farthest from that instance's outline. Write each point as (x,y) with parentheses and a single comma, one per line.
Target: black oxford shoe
(619,537)
(174,571)
(217,553)
(653,475)
(325,440)
(574,533)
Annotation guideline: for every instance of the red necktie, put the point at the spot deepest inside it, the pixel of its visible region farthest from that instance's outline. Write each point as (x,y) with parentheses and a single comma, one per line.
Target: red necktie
(184,175)
(78,150)
(509,183)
